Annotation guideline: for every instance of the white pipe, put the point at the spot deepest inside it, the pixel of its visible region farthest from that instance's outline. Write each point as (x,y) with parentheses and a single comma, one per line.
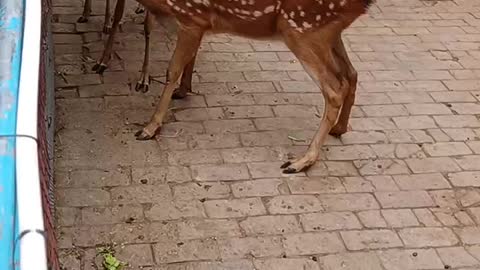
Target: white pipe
(29,198)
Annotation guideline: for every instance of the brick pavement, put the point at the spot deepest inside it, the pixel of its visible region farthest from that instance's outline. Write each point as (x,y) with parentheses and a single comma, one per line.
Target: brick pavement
(400,191)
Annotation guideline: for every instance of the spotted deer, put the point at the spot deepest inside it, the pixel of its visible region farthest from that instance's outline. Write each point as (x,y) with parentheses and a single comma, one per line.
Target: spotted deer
(310,28)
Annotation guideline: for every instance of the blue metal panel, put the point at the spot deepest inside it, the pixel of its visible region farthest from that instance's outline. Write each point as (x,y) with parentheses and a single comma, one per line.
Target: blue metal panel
(11,31)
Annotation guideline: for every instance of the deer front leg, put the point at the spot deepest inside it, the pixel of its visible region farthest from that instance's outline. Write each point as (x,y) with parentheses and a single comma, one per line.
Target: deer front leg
(188,42)
(186,83)
(87,10)
(144,81)
(108,18)
(102,63)
(139,9)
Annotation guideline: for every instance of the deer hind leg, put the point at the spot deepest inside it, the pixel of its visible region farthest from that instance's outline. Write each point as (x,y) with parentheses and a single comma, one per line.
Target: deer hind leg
(87,10)
(188,42)
(102,63)
(342,124)
(186,82)
(144,81)
(108,18)
(319,60)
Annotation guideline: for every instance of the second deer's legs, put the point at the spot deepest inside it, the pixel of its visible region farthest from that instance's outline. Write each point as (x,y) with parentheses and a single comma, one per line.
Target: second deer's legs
(108,18)
(144,81)
(87,10)
(188,42)
(102,63)
(315,51)
(342,125)
(186,82)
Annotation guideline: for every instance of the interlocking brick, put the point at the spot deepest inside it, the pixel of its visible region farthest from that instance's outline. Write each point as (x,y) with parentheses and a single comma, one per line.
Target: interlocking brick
(270,225)
(402,199)
(315,185)
(260,246)
(293,204)
(81,197)
(307,244)
(224,172)
(457,257)
(421,181)
(285,264)
(351,261)
(432,165)
(259,187)
(207,190)
(428,237)
(371,239)
(193,250)
(396,259)
(175,209)
(398,218)
(234,208)
(465,179)
(110,215)
(329,221)
(372,219)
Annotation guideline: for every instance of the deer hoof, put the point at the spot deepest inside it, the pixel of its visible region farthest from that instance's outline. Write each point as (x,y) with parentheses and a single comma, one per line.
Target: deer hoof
(339,131)
(291,167)
(180,93)
(99,68)
(141,135)
(141,87)
(82,19)
(139,10)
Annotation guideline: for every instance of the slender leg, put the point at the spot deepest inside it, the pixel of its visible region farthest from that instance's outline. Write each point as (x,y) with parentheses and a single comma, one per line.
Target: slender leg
(318,58)
(342,124)
(87,9)
(139,9)
(188,42)
(186,83)
(144,81)
(102,64)
(108,18)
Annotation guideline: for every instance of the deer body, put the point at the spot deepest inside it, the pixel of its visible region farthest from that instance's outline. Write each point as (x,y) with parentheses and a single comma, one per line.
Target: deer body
(310,28)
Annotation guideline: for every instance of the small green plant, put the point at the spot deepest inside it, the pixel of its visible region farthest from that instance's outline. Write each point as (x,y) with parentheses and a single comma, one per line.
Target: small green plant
(110,262)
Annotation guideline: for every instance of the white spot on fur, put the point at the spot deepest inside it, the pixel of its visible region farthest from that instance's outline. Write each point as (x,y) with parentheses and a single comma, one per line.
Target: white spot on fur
(269,9)
(292,14)
(292,23)
(343,2)
(302,13)
(189,4)
(307,25)
(318,17)
(331,5)
(257,13)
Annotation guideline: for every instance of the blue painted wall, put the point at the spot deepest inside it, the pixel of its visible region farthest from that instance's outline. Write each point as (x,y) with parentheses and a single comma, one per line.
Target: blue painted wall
(11,30)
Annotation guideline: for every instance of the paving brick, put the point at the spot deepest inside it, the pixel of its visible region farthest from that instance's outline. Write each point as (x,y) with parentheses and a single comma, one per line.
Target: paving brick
(372,219)
(329,221)
(140,194)
(251,154)
(81,197)
(160,175)
(285,264)
(426,218)
(110,215)
(421,181)
(224,172)
(242,264)
(348,202)
(457,257)
(307,244)
(428,237)
(351,261)
(192,157)
(208,190)
(315,185)
(371,239)
(457,121)
(207,228)
(465,179)
(259,187)
(234,208)
(403,199)
(414,122)
(433,165)
(396,259)
(270,225)
(260,246)
(173,210)
(194,250)
(399,218)
(447,149)
(293,204)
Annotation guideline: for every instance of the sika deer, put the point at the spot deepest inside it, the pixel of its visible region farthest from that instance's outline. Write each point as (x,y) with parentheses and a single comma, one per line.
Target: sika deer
(310,28)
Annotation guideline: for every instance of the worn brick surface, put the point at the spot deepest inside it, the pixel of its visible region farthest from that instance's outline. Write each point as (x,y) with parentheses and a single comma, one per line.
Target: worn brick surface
(398,192)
